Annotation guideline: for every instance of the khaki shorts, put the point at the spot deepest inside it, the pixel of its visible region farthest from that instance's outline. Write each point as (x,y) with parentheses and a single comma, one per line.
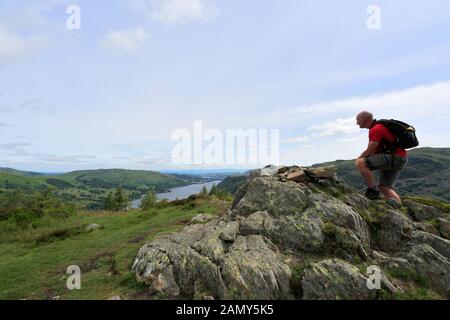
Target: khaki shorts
(389,166)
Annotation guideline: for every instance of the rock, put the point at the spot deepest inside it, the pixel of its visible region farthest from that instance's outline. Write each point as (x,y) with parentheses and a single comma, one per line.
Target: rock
(269,170)
(211,243)
(299,232)
(252,270)
(282,170)
(334,279)
(426,227)
(230,231)
(431,266)
(444,227)
(56,298)
(274,224)
(383,259)
(326,172)
(115,298)
(297,176)
(92,227)
(202,218)
(393,232)
(174,269)
(271,195)
(422,212)
(386,283)
(358,202)
(333,211)
(420,263)
(185,265)
(256,223)
(437,243)
(208,298)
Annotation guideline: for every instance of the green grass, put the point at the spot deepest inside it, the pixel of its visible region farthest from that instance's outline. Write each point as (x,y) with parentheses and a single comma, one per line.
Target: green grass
(414,294)
(33,262)
(443,206)
(408,274)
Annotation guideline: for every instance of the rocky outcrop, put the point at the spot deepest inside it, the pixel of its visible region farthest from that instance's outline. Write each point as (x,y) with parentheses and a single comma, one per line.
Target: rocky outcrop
(335,280)
(298,233)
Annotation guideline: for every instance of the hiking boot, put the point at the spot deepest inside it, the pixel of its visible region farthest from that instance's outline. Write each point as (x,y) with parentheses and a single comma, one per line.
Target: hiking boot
(372,194)
(393,203)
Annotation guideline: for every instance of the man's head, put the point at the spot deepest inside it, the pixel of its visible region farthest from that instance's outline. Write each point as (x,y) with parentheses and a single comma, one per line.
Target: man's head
(364,120)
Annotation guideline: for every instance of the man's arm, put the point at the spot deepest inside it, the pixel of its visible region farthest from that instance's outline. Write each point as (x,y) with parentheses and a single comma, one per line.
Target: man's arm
(371,149)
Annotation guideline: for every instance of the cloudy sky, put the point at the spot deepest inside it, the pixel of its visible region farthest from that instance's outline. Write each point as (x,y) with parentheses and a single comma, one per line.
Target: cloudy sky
(111,93)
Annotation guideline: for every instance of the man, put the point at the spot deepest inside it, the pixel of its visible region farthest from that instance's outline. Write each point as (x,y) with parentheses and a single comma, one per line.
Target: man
(381,154)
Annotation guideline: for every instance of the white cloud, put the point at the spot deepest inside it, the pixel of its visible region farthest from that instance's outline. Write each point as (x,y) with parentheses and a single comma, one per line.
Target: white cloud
(125,40)
(339,126)
(14,46)
(332,128)
(424,100)
(173,12)
(298,139)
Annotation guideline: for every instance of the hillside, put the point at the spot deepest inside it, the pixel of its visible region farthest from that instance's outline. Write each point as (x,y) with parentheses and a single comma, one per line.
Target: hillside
(427,174)
(34,261)
(88,188)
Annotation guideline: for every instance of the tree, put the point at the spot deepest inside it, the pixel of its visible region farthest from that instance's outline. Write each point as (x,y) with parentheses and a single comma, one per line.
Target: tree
(149,201)
(213,190)
(204,192)
(118,201)
(109,203)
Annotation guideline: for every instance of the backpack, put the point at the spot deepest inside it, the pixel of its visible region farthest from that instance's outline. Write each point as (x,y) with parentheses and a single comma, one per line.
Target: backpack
(406,134)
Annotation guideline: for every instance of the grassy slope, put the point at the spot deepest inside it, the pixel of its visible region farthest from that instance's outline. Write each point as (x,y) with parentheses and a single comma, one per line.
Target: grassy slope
(33,263)
(13,179)
(110,178)
(126,178)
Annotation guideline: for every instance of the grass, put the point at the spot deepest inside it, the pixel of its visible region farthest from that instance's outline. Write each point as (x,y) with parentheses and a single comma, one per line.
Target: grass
(33,262)
(443,206)
(414,294)
(408,274)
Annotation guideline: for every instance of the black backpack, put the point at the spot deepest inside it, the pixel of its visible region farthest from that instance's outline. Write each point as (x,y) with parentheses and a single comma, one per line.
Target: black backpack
(406,134)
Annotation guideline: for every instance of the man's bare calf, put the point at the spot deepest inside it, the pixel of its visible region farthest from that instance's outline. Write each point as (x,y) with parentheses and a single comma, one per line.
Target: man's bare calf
(390,193)
(365,172)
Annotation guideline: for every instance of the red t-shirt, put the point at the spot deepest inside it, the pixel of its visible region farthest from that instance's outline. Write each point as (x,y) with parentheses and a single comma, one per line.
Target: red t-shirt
(379,133)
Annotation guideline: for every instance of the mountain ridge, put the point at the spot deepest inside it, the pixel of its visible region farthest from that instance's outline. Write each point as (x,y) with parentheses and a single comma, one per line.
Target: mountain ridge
(426,174)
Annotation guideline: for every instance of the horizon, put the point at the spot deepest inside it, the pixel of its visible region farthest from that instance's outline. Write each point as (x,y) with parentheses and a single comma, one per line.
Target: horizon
(198,171)
(109,89)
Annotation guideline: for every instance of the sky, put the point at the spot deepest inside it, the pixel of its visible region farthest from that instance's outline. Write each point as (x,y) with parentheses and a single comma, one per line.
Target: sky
(111,93)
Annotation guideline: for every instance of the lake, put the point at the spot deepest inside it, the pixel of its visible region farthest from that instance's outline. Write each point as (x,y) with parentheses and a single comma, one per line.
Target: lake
(179,192)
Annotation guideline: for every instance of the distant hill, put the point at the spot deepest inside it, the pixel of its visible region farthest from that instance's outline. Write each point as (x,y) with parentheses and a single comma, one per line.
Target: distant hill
(20,172)
(88,188)
(427,174)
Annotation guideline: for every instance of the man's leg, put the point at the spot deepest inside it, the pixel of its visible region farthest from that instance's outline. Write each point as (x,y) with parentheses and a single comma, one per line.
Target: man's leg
(386,187)
(365,172)
(390,193)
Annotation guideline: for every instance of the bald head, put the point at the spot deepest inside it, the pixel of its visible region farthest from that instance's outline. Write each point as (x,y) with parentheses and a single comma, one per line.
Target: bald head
(364,119)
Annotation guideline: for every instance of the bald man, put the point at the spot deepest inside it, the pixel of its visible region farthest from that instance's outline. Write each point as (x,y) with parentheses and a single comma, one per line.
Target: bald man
(380,155)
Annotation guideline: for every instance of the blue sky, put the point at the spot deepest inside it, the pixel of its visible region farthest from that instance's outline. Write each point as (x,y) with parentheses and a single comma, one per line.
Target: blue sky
(110,94)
